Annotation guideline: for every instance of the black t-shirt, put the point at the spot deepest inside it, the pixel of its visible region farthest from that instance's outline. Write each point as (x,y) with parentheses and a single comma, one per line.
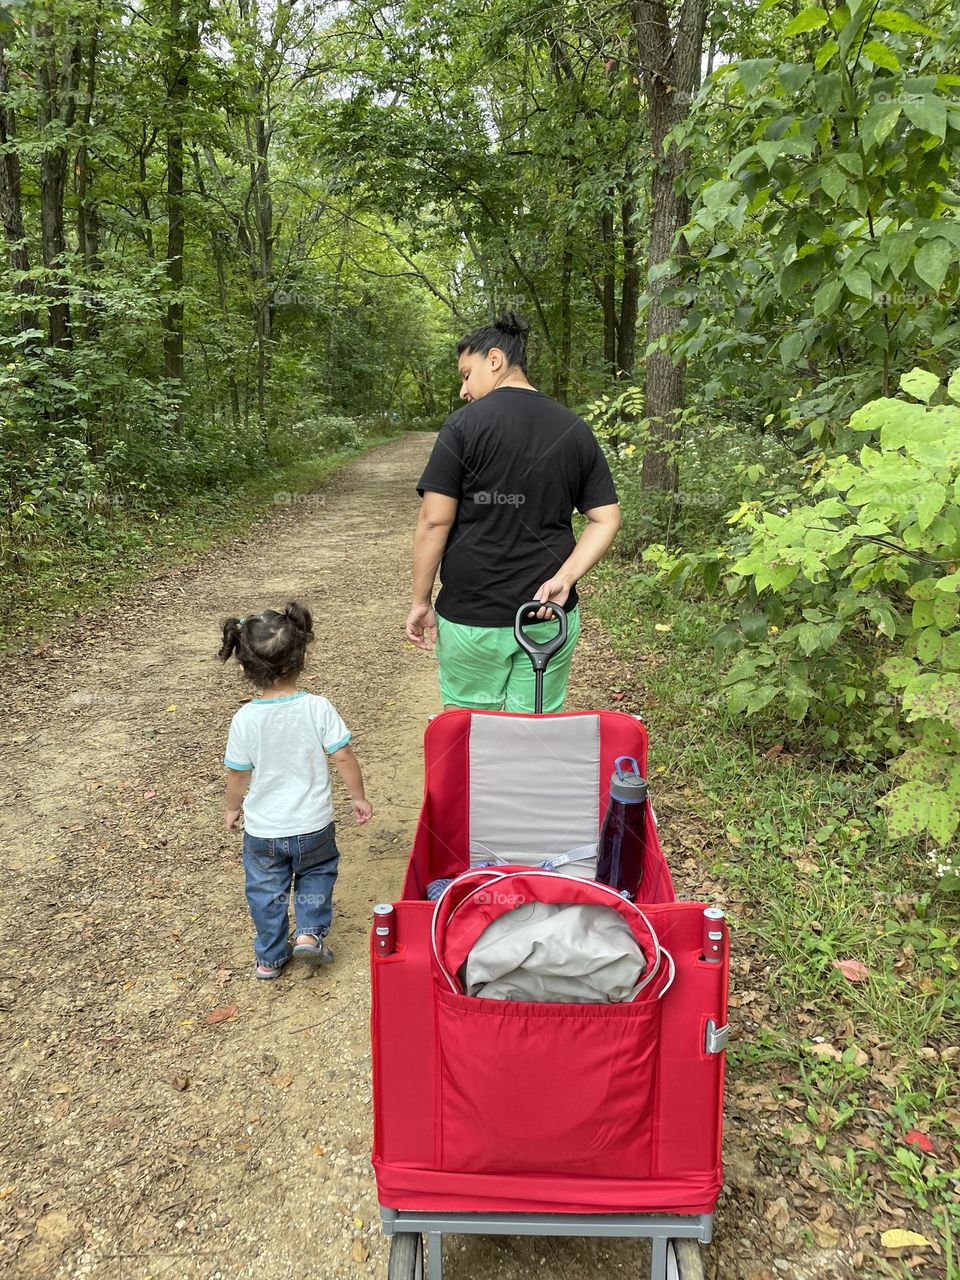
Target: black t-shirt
(518,463)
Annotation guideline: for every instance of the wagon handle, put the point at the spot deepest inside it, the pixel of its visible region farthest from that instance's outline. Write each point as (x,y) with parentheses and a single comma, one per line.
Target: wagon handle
(540,653)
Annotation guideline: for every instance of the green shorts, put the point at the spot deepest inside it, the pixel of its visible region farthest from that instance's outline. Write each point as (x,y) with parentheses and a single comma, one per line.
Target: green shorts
(485,669)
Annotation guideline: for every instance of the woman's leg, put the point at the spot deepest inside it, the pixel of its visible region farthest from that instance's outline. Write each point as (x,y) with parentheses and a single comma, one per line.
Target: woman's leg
(474,663)
(267,866)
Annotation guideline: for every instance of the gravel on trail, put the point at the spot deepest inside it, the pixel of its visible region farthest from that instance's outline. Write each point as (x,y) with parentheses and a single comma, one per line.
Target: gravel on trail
(166,1115)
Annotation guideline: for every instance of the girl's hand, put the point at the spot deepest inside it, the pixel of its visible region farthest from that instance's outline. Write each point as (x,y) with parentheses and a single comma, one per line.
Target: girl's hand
(232,819)
(362,811)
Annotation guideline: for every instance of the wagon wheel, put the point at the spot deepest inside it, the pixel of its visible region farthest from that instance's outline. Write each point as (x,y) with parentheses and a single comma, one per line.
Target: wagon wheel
(406,1257)
(684,1260)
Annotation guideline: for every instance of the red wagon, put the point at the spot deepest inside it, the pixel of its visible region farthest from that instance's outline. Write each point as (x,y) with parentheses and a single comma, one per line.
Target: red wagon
(519,1117)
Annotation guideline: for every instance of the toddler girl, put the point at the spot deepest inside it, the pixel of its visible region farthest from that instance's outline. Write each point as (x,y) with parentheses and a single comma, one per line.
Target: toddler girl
(278,743)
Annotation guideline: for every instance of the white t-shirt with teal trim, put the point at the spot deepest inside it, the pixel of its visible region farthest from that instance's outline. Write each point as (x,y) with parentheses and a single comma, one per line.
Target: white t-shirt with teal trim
(285,742)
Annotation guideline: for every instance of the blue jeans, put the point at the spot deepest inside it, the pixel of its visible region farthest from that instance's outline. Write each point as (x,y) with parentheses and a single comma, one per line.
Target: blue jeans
(271,864)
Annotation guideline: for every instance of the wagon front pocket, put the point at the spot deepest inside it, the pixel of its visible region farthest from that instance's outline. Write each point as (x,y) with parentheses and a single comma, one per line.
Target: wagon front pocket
(546,1088)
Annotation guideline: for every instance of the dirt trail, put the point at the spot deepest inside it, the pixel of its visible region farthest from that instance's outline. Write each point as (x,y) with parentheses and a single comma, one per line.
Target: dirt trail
(139,1139)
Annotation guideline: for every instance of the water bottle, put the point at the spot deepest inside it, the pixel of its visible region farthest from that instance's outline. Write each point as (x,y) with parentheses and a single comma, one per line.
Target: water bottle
(623,834)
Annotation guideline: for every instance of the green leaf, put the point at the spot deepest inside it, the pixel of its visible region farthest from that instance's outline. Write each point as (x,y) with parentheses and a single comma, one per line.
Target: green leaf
(851,162)
(880,121)
(928,112)
(858,281)
(834,183)
(718,195)
(945,611)
(808,19)
(928,645)
(881,55)
(825,53)
(894,20)
(794,75)
(932,262)
(760,696)
(920,384)
(827,297)
(915,807)
(754,71)
(900,248)
(790,348)
(953,386)
(899,671)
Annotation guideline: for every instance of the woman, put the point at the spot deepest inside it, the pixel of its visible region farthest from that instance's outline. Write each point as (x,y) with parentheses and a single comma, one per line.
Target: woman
(499,490)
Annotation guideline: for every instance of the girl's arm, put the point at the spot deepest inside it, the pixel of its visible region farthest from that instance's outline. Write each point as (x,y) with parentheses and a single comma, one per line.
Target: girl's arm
(349,771)
(237,780)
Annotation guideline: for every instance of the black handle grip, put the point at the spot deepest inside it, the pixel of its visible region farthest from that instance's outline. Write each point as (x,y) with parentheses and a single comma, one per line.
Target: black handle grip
(540,653)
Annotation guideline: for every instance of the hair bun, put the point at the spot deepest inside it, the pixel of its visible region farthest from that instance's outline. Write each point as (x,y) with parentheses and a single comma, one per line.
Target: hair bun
(299,616)
(511,323)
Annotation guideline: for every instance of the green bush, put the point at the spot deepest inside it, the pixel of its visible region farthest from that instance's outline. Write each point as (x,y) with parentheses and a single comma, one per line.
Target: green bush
(848,603)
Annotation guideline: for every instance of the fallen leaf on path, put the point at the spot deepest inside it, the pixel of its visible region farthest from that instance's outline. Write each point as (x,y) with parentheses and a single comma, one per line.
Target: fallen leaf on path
(318,1150)
(220,1015)
(7,1191)
(180,1083)
(852,970)
(826,1236)
(774,751)
(281,1080)
(358,1222)
(662,626)
(918,1139)
(897,1238)
(778,1213)
(826,1051)
(172,707)
(360,1251)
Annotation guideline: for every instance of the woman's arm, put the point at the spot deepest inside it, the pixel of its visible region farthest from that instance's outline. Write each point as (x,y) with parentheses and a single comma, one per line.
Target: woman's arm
(595,541)
(437,514)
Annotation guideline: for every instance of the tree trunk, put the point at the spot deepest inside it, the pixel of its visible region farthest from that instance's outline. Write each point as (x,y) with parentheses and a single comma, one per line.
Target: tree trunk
(56,105)
(630,286)
(184,36)
(609,288)
(11,209)
(217,249)
(670,70)
(88,223)
(562,381)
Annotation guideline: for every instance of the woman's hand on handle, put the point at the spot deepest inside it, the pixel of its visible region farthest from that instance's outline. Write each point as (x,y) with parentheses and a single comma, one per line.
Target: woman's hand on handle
(555,590)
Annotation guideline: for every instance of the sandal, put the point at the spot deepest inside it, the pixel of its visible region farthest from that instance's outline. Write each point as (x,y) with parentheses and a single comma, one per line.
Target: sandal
(267,972)
(316,952)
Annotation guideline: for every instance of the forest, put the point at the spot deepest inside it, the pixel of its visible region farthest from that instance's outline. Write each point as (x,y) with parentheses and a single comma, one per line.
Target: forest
(242,236)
